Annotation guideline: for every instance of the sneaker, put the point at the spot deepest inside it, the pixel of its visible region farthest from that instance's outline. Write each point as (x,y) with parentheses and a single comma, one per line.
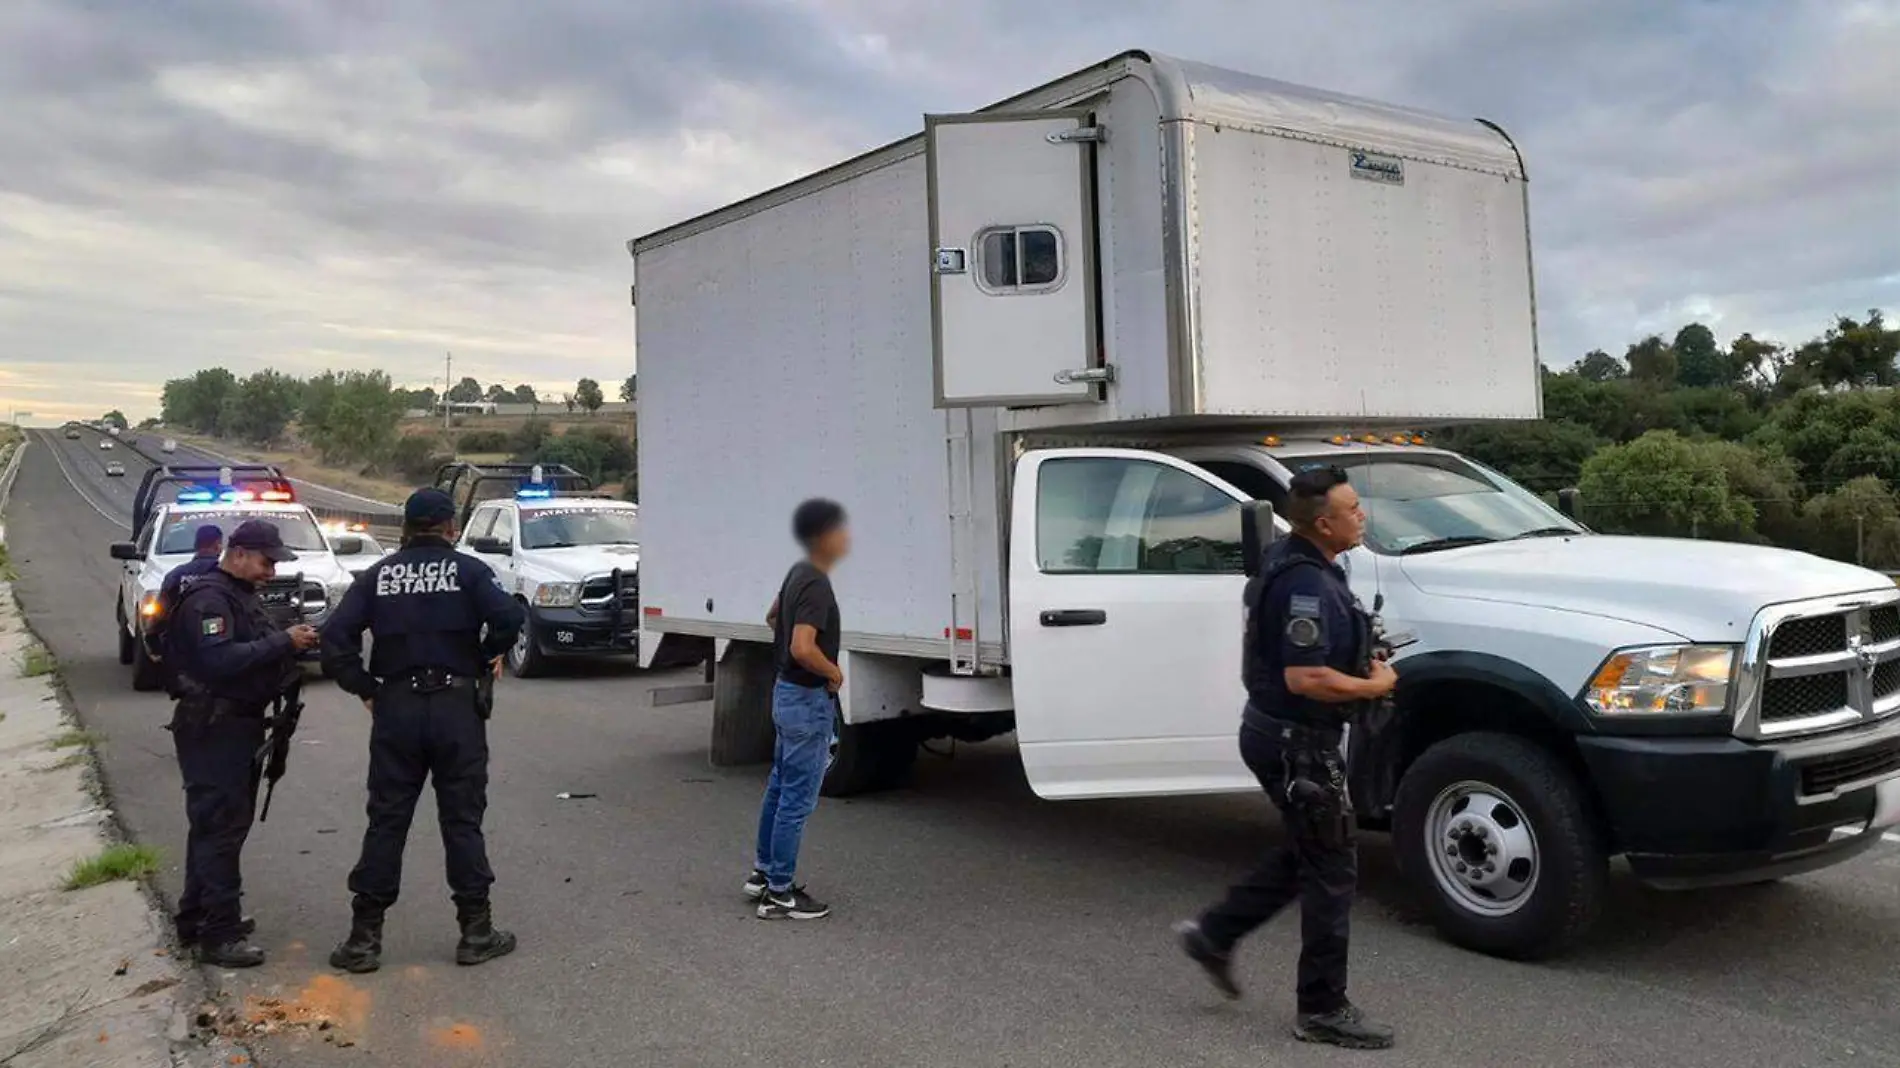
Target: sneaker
(1218,966)
(793,904)
(755,885)
(1347,1027)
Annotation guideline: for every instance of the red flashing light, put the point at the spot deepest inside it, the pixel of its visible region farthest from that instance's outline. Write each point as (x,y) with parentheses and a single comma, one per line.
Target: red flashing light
(651,610)
(963,633)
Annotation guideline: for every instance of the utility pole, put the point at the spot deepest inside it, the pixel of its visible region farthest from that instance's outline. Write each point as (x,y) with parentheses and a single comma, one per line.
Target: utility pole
(448,383)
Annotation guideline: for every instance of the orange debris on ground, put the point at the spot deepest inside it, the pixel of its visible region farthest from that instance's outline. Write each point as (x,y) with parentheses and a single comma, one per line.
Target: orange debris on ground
(327,1005)
(461,1036)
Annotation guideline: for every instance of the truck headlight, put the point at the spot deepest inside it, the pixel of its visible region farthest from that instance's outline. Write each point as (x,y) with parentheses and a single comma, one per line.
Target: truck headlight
(557,595)
(148,606)
(1668,680)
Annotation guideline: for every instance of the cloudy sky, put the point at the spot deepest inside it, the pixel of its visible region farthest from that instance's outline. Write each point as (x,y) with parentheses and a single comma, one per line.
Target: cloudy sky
(302,184)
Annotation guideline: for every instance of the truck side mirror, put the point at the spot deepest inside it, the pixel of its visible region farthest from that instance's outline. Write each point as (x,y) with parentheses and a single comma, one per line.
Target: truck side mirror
(1567,499)
(491,546)
(348,545)
(1256,534)
(125,550)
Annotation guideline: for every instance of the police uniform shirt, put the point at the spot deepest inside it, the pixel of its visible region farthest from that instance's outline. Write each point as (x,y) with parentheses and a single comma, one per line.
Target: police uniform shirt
(1306,617)
(426,605)
(222,640)
(177,583)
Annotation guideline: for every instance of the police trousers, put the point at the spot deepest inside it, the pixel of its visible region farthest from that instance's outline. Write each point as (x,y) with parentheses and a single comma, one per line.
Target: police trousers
(414,738)
(1317,864)
(217,759)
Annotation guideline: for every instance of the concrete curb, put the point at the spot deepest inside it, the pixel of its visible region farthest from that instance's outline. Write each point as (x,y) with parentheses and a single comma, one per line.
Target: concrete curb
(87,977)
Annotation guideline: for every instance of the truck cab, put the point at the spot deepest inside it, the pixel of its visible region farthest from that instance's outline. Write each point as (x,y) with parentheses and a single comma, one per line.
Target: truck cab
(163,534)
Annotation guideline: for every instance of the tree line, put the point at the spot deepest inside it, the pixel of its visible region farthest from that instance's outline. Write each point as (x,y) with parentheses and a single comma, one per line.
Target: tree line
(586,395)
(1757,442)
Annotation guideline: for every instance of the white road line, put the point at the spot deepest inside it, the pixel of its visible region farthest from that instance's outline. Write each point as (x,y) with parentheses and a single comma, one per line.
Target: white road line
(54,448)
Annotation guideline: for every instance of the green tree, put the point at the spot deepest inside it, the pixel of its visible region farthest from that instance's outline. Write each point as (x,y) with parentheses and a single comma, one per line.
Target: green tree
(630,388)
(1768,482)
(498,394)
(358,422)
(1652,361)
(261,406)
(529,436)
(1699,360)
(1858,522)
(1598,366)
(1853,353)
(116,418)
(1662,483)
(524,394)
(467,391)
(197,403)
(1542,455)
(587,394)
(1756,362)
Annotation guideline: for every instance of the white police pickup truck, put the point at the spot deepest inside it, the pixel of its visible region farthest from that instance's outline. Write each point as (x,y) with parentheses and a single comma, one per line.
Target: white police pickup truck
(573,561)
(163,535)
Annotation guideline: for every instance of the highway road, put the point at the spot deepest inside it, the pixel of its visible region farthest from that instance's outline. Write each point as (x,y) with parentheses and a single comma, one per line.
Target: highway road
(321,499)
(976,925)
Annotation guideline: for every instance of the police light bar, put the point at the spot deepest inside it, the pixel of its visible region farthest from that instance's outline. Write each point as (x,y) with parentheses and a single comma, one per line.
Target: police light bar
(534,493)
(223,492)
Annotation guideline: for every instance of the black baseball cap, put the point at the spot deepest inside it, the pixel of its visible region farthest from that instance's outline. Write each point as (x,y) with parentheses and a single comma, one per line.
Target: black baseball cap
(207,536)
(428,507)
(258,536)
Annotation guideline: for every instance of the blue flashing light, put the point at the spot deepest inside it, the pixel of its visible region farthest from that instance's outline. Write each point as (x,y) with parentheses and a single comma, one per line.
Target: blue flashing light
(195,496)
(534,493)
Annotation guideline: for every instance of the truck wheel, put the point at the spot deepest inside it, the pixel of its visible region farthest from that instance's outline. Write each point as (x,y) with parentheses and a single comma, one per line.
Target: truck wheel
(868,757)
(128,645)
(1498,833)
(147,675)
(525,659)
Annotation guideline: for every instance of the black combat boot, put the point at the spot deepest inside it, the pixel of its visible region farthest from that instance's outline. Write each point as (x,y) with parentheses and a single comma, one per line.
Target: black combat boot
(480,940)
(361,953)
(237,953)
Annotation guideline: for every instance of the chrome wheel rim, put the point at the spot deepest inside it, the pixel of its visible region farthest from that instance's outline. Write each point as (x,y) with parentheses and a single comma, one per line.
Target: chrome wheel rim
(1483,852)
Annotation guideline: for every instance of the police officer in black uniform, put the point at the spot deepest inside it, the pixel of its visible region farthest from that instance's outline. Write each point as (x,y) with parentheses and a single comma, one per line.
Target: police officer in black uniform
(207,553)
(441,622)
(1306,637)
(229,662)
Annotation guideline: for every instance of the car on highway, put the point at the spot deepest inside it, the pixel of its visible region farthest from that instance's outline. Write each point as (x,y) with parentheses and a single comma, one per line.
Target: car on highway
(72,433)
(572,558)
(372,549)
(305,591)
(115,469)
(105,443)
(169,445)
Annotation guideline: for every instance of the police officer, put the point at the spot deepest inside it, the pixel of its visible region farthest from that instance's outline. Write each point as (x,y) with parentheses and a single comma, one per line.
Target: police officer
(427,689)
(207,550)
(229,663)
(1306,637)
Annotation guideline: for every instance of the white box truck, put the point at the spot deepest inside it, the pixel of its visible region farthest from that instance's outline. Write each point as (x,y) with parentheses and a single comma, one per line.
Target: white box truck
(1047,353)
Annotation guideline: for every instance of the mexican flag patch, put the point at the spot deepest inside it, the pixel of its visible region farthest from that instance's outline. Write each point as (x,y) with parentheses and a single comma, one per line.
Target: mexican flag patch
(213,626)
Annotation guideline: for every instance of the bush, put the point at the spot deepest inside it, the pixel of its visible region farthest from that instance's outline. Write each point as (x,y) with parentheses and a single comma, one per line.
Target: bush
(530,436)
(1663,484)
(485,441)
(1858,523)
(418,456)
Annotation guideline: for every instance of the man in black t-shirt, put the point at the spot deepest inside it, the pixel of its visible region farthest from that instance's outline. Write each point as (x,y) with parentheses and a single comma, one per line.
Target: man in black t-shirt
(805,638)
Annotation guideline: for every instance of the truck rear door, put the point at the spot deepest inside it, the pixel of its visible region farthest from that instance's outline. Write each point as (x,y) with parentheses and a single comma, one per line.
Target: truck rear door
(1125,587)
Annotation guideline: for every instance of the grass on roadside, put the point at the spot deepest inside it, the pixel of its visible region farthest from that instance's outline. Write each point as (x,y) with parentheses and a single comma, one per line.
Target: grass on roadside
(75,738)
(70,760)
(123,861)
(7,572)
(37,662)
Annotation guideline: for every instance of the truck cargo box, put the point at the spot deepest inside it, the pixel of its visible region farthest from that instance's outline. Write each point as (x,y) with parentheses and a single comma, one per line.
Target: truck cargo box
(1146,245)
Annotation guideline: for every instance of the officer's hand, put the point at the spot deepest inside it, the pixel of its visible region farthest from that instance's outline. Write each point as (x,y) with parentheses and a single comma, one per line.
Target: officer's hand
(494,667)
(304,636)
(1383,677)
(369,704)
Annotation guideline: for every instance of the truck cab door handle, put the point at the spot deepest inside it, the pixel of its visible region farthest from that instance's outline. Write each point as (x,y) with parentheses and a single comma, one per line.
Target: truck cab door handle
(1074,617)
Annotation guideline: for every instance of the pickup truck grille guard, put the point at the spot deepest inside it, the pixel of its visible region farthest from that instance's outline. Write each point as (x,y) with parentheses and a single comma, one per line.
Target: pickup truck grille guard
(1820,665)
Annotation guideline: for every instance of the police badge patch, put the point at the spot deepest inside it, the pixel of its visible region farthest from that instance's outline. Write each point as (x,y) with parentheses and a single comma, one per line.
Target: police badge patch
(1303,632)
(213,626)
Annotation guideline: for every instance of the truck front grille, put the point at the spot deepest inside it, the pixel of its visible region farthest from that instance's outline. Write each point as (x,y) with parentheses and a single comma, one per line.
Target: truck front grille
(1821,665)
(597,594)
(1842,770)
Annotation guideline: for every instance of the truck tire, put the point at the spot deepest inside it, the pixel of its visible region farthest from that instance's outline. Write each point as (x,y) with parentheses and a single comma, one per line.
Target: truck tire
(1499,835)
(869,757)
(525,659)
(146,673)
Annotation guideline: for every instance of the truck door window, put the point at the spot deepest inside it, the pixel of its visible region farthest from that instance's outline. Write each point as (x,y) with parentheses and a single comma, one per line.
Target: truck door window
(1019,259)
(504,525)
(1249,480)
(1118,516)
(481,523)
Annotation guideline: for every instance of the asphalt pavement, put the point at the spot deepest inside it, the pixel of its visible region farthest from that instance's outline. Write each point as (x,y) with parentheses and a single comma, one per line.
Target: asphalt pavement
(975,925)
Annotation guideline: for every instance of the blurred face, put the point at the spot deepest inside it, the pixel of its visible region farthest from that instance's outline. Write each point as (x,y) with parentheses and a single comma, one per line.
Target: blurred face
(1343,525)
(833,546)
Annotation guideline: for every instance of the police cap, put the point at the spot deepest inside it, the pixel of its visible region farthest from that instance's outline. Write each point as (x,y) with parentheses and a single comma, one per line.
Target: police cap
(258,536)
(428,507)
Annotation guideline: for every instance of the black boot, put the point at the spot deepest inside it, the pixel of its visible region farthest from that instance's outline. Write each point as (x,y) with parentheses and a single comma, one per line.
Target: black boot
(480,940)
(237,953)
(361,953)
(1346,1026)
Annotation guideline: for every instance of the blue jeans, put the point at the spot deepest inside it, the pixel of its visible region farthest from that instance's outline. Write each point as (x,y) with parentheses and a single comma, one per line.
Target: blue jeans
(803,719)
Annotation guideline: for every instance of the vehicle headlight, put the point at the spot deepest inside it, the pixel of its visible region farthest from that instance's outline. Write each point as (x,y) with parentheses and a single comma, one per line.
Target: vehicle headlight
(557,595)
(1669,680)
(148,606)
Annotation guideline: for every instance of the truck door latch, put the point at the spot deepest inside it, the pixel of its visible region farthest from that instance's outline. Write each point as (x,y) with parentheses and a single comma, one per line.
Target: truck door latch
(1104,373)
(1080,135)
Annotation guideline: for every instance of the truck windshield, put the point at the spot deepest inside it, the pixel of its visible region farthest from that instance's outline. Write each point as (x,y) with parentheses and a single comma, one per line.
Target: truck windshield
(560,528)
(299,532)
(1416,502)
